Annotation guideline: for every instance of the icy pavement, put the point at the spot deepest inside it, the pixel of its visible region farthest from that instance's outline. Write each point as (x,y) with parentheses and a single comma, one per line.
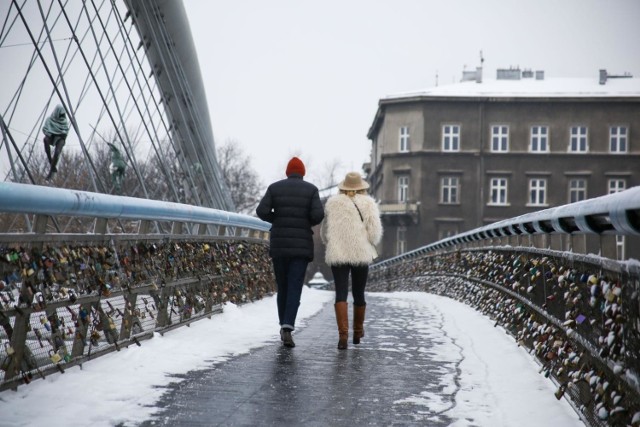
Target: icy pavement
(425,360)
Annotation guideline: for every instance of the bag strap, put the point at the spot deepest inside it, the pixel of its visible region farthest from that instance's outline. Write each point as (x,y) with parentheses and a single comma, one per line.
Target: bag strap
(359,213)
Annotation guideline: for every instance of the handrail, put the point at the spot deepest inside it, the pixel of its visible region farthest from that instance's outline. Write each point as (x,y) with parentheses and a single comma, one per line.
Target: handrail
(34,199)
(103,285)
(617,213)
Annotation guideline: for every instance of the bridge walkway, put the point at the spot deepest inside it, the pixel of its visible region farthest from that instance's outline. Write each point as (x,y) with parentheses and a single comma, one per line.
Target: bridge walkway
(420,364)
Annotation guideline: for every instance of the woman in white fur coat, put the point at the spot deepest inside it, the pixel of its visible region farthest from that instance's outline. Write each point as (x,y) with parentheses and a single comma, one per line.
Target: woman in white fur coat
(350,231)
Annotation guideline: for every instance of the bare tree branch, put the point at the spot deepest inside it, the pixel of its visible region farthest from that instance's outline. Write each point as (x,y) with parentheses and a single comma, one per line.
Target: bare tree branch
(242,180)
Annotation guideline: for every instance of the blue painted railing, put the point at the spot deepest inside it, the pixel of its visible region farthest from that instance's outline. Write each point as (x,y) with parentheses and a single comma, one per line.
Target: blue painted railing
(613,214)
(34,199)
(69,296)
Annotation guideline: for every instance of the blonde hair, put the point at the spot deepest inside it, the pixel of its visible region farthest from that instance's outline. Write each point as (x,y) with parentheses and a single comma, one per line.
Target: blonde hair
(363,191)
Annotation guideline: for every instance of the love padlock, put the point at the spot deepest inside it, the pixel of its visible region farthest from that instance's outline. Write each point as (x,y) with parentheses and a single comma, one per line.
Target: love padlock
(8,349)
(45,323)
(95,337)
(54,356)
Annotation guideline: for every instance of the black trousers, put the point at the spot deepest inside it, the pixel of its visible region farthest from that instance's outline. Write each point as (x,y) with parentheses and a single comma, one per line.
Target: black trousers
(58,142)
(358,274)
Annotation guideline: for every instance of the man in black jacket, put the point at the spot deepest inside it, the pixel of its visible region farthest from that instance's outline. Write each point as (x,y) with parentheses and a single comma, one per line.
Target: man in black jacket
(292,206)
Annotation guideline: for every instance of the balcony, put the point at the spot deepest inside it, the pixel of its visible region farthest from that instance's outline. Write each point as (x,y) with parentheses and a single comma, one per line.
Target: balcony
(400,213)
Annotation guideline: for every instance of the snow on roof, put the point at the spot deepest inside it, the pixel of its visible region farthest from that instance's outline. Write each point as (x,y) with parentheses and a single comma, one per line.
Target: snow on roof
(532,88)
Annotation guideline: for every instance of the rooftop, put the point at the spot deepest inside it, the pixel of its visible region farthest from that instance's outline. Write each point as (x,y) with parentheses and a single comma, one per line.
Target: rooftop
(531,88)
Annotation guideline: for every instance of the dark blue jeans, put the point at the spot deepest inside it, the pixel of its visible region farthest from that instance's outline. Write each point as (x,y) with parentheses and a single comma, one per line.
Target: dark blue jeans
(289,274)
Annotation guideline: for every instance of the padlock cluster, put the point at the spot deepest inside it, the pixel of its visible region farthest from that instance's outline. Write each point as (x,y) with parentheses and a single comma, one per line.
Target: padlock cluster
(77,302)
(35,277)
(571,315)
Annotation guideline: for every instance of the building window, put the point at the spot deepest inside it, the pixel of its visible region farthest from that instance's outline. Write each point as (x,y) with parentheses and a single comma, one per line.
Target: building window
(403,189)
(539,139)
(401,240)
(537,192)
(499,138)
(498,191)
(404,139)
(451,138)
(616,185)
(445,232)
(578,139)
(620,248)
(450,190)
(618,139)
(577,190)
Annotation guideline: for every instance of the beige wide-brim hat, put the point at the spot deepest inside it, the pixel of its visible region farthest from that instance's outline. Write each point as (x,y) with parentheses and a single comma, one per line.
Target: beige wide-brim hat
(353,182)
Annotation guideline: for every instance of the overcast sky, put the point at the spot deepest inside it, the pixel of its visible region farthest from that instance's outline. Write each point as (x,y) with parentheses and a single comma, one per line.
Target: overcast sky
(287,77)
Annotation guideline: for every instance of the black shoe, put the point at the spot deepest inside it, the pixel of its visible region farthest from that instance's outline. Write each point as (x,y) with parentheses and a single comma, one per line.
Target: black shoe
(286,338)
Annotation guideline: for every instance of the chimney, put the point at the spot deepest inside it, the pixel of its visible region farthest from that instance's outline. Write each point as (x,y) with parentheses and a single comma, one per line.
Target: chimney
(472,76)
(603,76)
(468,76)
(508,74)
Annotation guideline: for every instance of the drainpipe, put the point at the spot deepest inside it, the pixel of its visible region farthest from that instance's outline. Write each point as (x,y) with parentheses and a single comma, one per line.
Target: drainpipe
(481,175)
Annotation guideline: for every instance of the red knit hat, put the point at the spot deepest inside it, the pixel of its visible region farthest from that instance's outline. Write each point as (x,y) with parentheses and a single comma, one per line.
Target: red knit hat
(296,166)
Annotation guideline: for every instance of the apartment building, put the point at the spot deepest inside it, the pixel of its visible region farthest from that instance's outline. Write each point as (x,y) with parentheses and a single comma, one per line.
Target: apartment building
(455,157)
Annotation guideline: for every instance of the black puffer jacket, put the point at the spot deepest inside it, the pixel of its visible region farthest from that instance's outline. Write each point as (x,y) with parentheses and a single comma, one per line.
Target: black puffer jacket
(292,206)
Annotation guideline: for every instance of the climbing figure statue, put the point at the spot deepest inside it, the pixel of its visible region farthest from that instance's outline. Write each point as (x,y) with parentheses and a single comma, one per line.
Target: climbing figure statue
(116,168)
(55,129)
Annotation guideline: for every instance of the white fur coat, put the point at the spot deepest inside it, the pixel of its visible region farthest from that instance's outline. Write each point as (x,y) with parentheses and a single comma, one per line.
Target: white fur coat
(349,239)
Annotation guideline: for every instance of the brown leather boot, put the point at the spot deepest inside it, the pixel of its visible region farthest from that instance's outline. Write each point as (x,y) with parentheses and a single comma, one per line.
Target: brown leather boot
(358,322)
(342,318)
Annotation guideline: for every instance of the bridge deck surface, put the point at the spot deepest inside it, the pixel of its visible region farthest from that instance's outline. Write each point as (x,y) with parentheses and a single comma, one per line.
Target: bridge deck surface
(315,384)
(425,361)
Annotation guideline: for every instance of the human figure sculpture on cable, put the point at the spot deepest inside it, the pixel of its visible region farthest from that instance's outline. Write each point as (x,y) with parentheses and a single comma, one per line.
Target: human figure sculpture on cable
(55,129)
(117,168)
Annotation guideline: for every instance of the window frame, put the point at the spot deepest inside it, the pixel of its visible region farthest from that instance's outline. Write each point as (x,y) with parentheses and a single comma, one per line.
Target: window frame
(446,233)
(618,137)
(451,138)
(499,140)
(577,139)
(452,196)
(403,188)
(404,139)
(494,187)
(620,247)
(401,240)
(577,190)
(539,137)
(616,188)
(537,192)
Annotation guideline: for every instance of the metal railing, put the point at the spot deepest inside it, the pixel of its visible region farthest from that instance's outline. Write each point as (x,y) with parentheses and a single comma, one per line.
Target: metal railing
(577,313)
(68,297)
(613,214)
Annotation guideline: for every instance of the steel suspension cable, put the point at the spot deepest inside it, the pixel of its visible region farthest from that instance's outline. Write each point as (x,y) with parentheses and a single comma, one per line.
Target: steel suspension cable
(129,87)
(181,159)
(164,37)
(69,107)
(117,105)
